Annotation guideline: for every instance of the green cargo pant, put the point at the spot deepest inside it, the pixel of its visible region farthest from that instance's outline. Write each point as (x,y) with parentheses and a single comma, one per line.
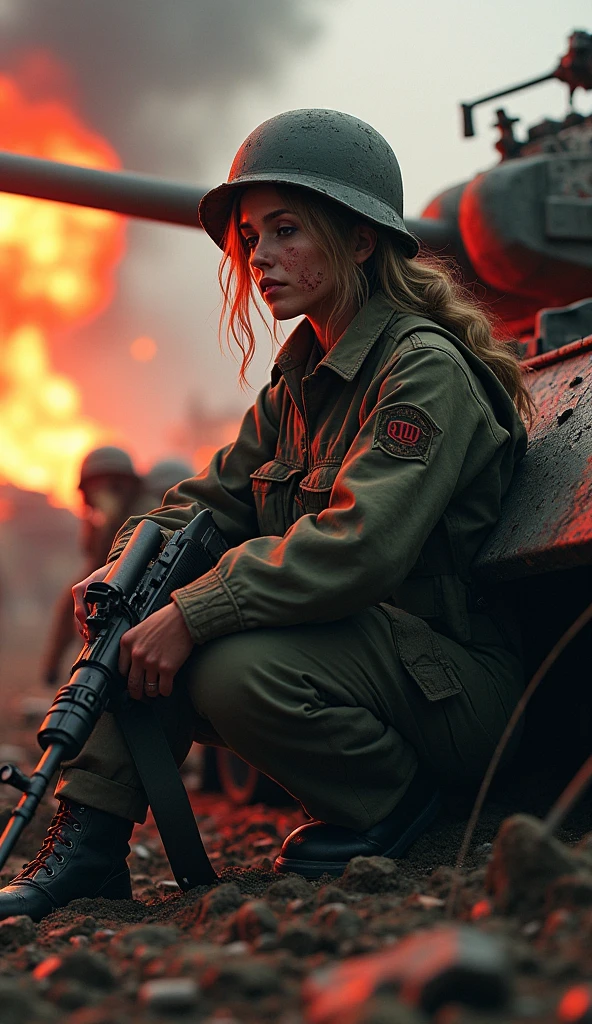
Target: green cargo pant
(338,713)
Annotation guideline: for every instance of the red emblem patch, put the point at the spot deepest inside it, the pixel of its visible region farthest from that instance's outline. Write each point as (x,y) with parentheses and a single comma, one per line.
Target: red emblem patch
(406,433)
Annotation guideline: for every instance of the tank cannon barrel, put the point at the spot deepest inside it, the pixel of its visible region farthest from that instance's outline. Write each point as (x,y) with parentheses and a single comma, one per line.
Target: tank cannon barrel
(133,195)
(139,195)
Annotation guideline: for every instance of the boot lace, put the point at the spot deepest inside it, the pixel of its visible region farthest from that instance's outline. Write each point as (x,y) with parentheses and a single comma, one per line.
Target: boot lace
(64,818)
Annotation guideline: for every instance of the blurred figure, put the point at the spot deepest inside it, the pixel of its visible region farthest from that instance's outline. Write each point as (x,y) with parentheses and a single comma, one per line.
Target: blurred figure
(112,491)
(165,474)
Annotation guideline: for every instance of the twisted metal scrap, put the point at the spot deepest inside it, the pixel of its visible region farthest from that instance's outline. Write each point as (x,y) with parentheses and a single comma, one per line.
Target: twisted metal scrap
(570,795)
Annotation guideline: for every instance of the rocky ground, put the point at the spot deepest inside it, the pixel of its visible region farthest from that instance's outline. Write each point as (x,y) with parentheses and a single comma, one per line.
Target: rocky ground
(258,948)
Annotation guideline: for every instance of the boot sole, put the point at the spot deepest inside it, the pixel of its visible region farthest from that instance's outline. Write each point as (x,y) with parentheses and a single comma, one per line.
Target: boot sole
(314,869)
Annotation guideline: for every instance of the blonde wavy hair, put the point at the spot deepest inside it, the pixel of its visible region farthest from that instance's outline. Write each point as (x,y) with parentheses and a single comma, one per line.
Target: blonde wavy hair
(423,285)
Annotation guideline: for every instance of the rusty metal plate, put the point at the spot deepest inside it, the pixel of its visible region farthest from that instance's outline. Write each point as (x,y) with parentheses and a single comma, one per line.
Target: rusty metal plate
(546,520)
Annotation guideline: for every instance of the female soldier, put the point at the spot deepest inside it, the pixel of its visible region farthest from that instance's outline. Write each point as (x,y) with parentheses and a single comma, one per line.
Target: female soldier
(339,645)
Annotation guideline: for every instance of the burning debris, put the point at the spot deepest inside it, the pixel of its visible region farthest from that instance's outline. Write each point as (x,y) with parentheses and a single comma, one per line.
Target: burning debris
(56,270)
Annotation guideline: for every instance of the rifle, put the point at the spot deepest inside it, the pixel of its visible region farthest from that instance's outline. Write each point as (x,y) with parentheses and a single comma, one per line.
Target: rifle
(140,582)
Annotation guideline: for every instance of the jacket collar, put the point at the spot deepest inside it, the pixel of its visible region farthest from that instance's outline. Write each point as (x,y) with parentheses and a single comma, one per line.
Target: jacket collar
(348,354)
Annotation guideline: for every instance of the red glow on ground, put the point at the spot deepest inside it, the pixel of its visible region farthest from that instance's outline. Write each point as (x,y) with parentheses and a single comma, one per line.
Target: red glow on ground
(47,967)
(575,1004)
(480,910)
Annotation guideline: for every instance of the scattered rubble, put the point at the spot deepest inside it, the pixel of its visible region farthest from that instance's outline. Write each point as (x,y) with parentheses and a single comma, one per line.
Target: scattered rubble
(16,931)
(427,970)
(377,945)
(372,947)
(528,868)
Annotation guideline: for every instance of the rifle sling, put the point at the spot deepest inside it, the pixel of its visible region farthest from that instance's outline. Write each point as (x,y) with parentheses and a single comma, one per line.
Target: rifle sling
(166,794)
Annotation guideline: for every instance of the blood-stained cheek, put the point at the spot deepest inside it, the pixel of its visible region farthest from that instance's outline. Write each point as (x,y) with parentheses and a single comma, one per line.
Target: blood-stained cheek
(297,263)
(310,280)
(290,258)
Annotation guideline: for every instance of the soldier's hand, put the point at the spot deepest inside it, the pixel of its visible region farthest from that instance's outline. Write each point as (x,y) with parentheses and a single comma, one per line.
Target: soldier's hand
(152,652)
(78,591)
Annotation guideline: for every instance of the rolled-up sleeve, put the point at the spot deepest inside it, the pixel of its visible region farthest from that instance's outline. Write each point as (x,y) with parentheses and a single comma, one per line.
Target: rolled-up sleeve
(394,485)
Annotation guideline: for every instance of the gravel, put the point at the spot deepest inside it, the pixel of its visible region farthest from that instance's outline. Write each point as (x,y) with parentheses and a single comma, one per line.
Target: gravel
(245,951)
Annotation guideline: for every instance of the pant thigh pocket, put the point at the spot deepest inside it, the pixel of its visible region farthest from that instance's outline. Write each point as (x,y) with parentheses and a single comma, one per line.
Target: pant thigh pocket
(421,654)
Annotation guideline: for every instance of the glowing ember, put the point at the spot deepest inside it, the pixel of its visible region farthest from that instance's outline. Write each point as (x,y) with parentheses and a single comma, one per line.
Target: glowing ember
(143,349)
(56,269)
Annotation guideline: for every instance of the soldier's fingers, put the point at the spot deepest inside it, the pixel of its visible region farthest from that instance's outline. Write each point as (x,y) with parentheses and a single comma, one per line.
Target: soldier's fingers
(125,653)
(151,681)
(130,654)
(135,682)
(166,682)
(80,607)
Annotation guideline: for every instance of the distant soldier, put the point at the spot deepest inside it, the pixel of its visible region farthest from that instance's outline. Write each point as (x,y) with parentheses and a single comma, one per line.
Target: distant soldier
(163,475)
(112,491)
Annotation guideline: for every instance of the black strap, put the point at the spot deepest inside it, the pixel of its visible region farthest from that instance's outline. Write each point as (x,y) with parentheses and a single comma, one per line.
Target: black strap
(166,793)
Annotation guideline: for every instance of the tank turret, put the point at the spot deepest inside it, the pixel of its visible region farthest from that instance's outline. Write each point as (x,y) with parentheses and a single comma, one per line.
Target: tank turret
(522,230)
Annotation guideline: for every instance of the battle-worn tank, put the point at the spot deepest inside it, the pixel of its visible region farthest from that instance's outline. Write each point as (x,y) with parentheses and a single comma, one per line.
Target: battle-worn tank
(522,230)
(521,233)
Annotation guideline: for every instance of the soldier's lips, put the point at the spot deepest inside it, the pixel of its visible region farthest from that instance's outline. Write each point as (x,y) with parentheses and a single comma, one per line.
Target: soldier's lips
(273,289)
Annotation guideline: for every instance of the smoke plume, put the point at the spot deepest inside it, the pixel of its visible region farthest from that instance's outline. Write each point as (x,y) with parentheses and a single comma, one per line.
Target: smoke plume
(142,70)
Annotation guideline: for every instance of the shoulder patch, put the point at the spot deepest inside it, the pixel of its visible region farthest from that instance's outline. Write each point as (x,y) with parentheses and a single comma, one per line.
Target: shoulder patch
(405,431)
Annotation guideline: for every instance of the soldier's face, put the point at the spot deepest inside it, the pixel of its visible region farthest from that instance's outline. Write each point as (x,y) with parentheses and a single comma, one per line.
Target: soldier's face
(289,268)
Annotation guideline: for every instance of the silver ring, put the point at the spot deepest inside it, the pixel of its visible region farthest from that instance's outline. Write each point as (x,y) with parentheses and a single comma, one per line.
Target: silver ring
(152,686)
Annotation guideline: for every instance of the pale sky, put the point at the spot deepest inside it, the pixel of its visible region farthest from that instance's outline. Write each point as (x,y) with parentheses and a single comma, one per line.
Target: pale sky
(403,67)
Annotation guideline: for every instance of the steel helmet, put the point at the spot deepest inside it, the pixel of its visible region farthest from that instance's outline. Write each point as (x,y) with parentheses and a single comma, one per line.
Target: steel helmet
(106,461)
(166,474)
(330,153)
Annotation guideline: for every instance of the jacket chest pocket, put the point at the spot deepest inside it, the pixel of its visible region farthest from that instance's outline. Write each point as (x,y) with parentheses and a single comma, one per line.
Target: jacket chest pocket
(274,485)
(314,493)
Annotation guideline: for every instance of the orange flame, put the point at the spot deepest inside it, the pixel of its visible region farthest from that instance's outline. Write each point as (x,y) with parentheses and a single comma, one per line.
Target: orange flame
(56,269)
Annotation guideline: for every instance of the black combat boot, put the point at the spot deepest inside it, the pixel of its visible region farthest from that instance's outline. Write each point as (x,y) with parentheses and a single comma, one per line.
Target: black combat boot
(83,854)
(316,848)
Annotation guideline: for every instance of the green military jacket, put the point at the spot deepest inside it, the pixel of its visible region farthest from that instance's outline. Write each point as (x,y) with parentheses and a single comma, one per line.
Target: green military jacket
(370,474)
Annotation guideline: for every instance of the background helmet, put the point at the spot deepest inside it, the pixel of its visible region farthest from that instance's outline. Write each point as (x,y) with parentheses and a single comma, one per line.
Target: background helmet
(166,474)
(106,461)
(330,153)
